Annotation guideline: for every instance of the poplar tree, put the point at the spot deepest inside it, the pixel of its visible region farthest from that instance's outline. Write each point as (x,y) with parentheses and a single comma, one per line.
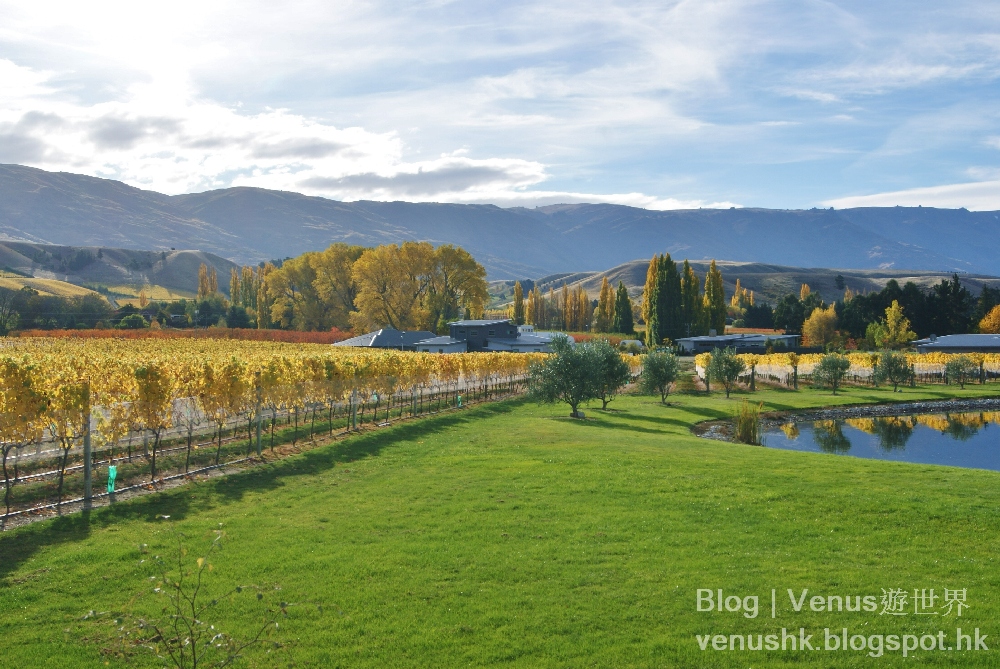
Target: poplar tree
(584,310)
(234,287)
(518,304)
(653,320)
(715,300)
(203,281)
(566,309)
(605,308)
(623,311)
(648,299)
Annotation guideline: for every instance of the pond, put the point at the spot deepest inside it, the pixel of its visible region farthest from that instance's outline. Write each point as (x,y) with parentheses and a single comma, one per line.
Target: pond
(970,439)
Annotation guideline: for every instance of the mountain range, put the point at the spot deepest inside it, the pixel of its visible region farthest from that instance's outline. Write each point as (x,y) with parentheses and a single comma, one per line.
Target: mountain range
(249,225)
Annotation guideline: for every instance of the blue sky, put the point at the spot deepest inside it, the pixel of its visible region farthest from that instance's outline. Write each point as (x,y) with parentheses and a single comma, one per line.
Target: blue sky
(660,104)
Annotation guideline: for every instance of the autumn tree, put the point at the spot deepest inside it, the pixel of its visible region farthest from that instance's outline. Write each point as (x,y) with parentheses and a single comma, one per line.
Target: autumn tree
(334,281)
(295,303)
(650,294)
(235,287)
(604,317)
(820,328)
(518,303)
(894,331)
(991,322)
(804,292)
(203,289)
(264,301)
(457,283)
(414,286)
(715,300)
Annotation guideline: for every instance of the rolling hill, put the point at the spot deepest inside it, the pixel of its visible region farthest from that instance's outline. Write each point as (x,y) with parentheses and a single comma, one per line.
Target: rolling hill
(769,282)
(248,225)
(123,271)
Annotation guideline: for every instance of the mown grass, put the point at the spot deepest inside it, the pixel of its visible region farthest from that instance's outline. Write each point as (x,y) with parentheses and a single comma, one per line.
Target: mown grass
(509,534)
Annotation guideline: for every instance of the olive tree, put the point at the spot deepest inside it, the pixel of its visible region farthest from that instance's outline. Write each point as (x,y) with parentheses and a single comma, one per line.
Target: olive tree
(831,370)
(961,368)
(892,367)
(725,368)
(659,371)
(570,375)
(613,373)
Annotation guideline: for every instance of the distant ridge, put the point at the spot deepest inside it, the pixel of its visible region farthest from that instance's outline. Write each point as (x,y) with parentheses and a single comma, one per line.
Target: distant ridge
(248,225)
(769,282)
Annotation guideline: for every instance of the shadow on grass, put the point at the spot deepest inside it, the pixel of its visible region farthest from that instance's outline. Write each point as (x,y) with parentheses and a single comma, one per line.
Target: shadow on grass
(18,546)
(659,420)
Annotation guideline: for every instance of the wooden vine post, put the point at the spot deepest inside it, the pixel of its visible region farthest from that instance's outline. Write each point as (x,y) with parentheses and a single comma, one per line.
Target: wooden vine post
(88,469)
(256,376)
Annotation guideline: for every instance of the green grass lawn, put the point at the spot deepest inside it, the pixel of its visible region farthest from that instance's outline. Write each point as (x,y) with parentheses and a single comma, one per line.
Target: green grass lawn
(509,534)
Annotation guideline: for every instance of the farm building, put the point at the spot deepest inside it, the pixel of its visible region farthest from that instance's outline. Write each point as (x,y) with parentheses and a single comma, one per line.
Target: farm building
(389,338)
(753,342)
(959,343)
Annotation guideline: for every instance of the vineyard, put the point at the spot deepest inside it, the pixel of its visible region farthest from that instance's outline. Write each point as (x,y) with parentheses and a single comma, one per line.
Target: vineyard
(787,368)
(165,408)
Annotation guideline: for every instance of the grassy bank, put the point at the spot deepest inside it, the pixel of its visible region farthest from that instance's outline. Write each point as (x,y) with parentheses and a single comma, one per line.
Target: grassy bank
(509,534)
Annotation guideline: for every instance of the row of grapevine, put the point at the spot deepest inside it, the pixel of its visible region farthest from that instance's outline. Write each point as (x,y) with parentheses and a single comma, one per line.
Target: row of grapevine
(53,391)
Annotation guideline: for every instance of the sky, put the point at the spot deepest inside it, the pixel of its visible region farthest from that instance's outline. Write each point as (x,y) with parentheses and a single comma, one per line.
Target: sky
(663,105)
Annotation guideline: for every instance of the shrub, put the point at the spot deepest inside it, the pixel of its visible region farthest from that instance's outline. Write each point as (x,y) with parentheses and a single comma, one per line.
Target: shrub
(133,322)
(746,422)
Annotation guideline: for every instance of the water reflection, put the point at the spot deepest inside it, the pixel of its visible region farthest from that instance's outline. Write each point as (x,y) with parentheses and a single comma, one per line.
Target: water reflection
(830,437)
(941,438)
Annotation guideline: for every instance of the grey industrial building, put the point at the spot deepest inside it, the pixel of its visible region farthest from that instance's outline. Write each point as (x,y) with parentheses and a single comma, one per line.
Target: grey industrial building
(959,343)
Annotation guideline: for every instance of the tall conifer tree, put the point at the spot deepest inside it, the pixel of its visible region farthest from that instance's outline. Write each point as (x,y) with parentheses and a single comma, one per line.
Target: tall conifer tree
(669,299)
(691,302)
(623,311)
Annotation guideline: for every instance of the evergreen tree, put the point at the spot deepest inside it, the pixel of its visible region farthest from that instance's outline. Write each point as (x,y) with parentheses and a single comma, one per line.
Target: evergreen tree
(518,304)
(668,299)
(715,300)
(691,302)
(623,312)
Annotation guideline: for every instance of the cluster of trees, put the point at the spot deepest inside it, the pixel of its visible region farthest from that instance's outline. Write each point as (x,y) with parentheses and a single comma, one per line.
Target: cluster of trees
(579,373)
(572,309)
(406,286)
(27,308)
(947,308)
(674,304)
(564,310)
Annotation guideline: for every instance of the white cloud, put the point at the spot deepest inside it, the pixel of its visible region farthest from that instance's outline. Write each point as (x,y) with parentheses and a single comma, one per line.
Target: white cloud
(976,196)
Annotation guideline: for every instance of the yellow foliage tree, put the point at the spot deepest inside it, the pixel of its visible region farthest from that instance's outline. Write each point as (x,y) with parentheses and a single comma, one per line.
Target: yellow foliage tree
(991,322)
(820,328)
